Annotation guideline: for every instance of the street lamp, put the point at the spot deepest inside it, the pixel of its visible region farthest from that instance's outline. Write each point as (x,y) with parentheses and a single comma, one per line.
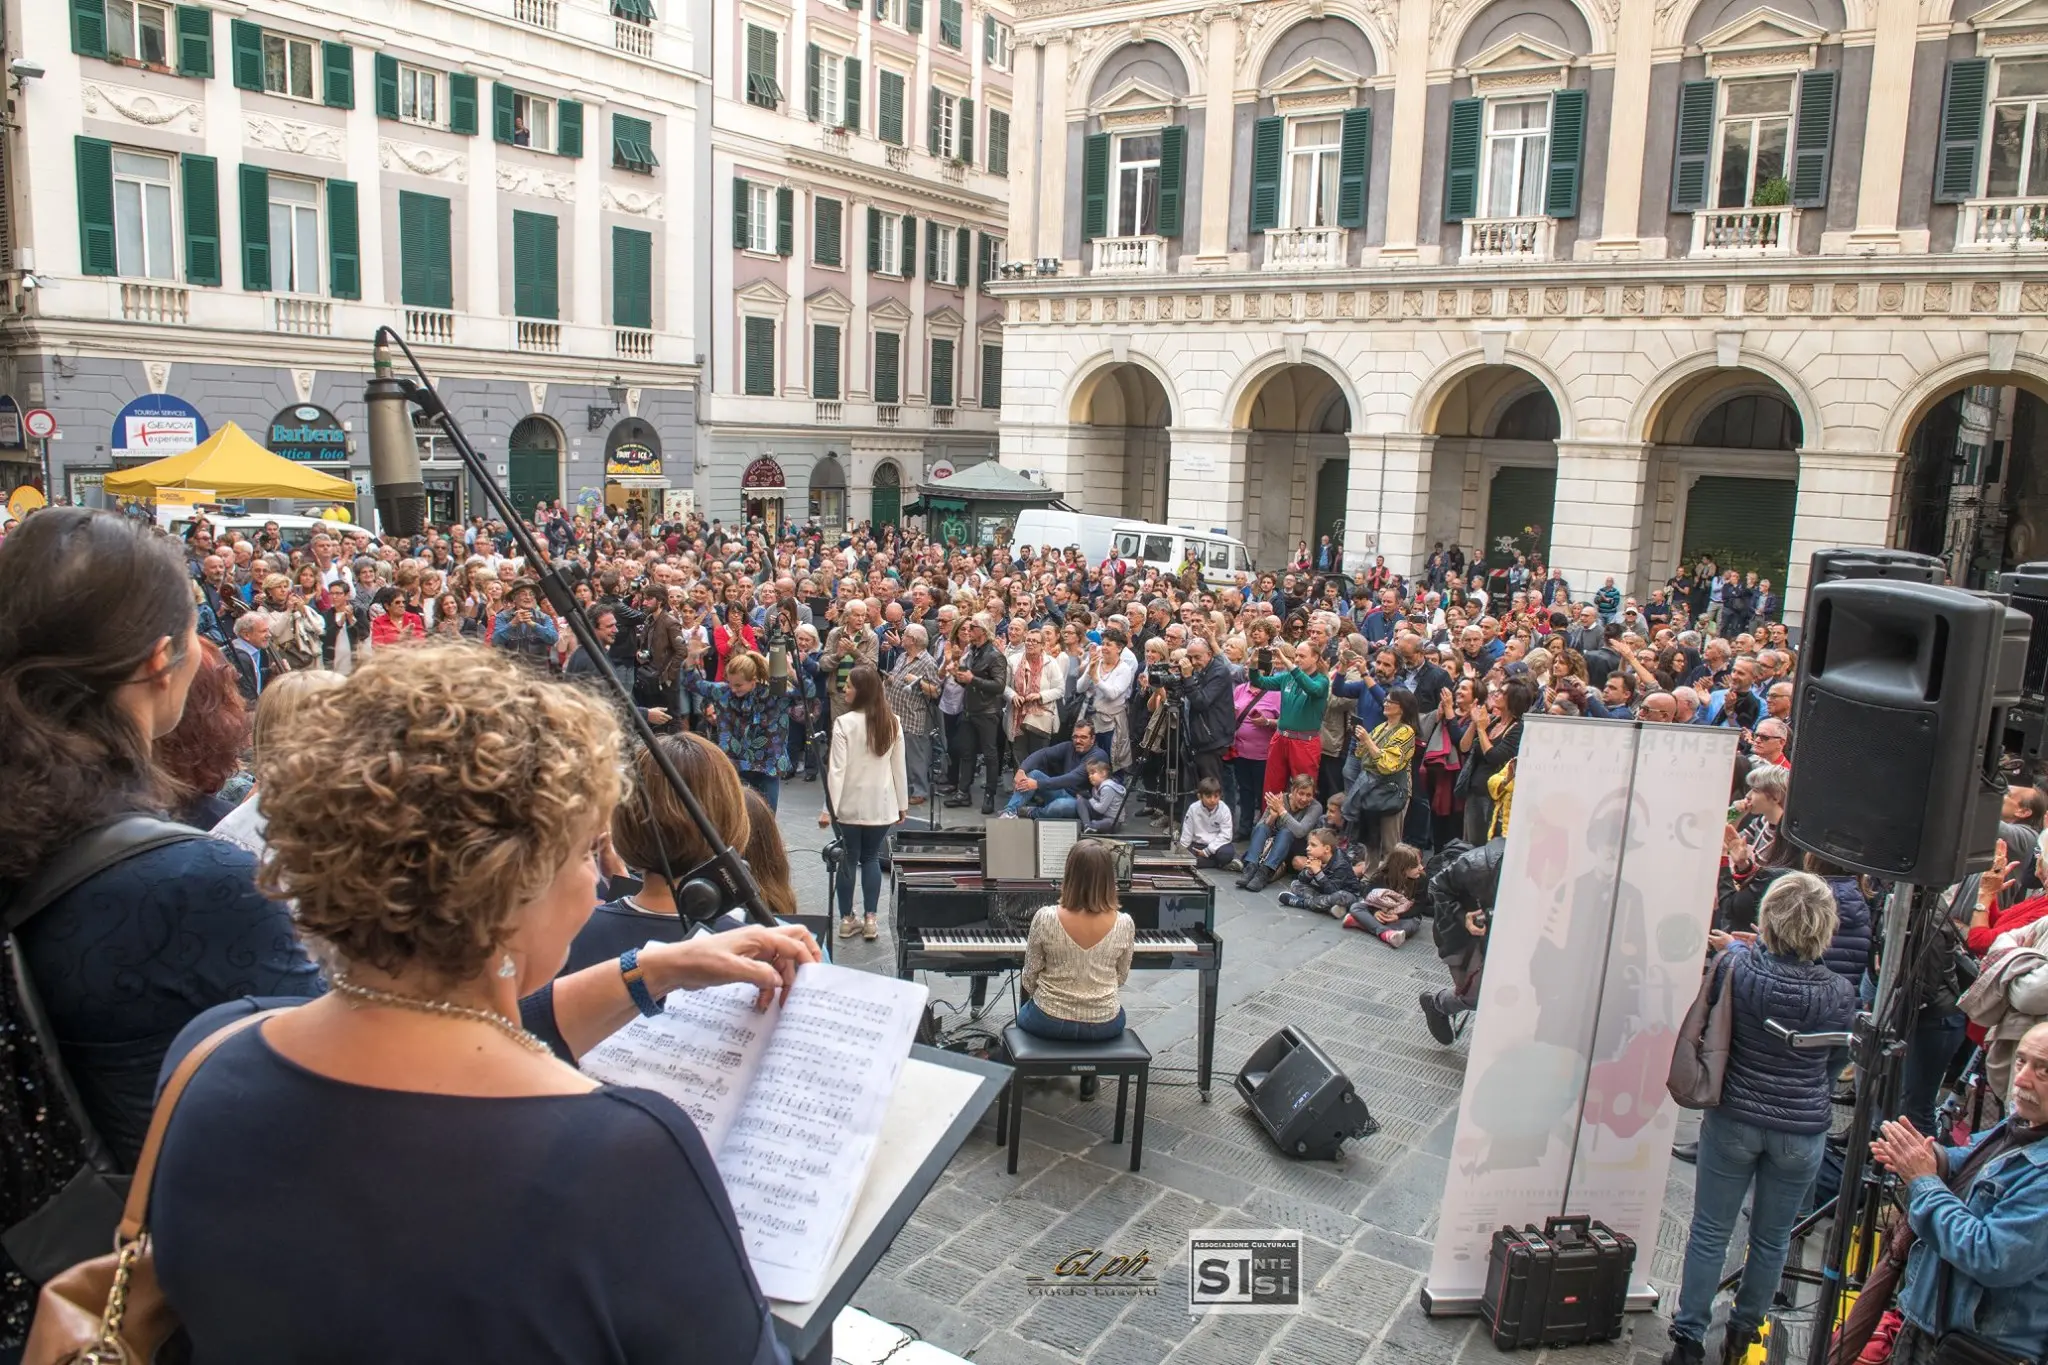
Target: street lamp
(597,414)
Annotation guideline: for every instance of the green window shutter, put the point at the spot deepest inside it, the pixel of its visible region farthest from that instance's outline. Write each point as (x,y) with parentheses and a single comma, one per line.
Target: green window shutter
(888,367)
(849,98)
(826,215)
(988,39)
(462,103)
(1693,154)
(931,120)
(425,271)
(785,221)
(1962,130)
(874,241)
(909,247)
(942,373)
(89,39)
(984,260)
(742,201)
(950,24)
(338,75)
(255,187)
(966,140)
(245,48)
(384,69)
(96,253)
(504,121)
(992,376)
(814,61)
(824,362)
(195,42)
(1095,186)
(633,143)
(1173,173)
(568,128)
(913,15)
(760,357)
(963,249)
(1813,139)
(535,263)
(1354,168)
(889,112)
(1269,135)
(199,177)
(632,278)
(1461,165)
(931,251)
(344,241)
(998,142)
(522,264)
(1567,153)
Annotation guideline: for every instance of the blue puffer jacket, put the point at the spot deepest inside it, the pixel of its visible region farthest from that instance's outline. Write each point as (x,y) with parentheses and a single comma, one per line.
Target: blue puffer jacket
(1767,1083)
(1849,954)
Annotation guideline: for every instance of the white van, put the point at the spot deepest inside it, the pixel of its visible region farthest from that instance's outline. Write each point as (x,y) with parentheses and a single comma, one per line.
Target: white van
(1225,562)
(1050,531)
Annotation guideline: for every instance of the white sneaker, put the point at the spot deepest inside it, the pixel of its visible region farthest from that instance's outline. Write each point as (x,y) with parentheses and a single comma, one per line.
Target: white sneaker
(1008,814)
(1394,938)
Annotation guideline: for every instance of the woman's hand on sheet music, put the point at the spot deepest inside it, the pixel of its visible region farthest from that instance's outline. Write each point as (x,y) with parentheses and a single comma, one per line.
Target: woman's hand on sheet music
(763,958)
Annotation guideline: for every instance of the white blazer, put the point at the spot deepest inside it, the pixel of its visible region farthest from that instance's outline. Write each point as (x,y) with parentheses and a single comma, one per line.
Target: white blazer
(865,790)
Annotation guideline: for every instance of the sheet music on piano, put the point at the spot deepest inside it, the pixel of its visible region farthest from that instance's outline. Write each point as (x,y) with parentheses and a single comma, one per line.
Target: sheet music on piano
(1055,837)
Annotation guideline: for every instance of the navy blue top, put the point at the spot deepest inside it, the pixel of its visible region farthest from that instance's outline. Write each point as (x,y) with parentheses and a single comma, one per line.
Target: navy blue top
(613,928)
(306,1219)
(128,958)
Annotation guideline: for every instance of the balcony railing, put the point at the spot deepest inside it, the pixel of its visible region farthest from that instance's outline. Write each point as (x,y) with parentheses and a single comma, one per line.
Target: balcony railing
(839,140)
(430,326)
(633,343)
(632,37)
(897,157)
(155,303)
(540,13)
(830,412)
(888,415)
(2003,225)
(1316,248)
(955,171)
(1506,239)
(942,417)
(539,336)
(302,317)
(1745,232)
(1130,256)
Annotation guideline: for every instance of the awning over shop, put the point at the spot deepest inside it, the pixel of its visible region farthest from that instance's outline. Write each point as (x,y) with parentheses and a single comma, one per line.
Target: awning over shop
(231,465)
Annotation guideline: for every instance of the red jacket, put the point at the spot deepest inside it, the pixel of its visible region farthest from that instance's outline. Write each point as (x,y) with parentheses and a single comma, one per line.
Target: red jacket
(387,631)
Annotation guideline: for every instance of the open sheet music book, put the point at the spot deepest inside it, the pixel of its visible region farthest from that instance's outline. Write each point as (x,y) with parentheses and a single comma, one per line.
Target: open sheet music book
(790,1101)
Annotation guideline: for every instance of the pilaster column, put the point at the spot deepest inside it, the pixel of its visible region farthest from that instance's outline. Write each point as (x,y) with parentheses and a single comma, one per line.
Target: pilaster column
(1884,130)
(1386,505)
(1845,498)
(1218,139)
(1621,203)
(853,347)
(1052,152)
(1411,117)
(1205,479)
(1027,134)
(1597,518)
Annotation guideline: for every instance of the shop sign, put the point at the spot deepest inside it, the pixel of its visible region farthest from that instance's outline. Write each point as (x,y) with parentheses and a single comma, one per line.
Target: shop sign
(632,449)
(10,423)
(307,434)
(156,425)
(763,473)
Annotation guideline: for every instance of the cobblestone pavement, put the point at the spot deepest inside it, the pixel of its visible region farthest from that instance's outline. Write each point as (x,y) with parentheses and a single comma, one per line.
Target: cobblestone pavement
(956,1274)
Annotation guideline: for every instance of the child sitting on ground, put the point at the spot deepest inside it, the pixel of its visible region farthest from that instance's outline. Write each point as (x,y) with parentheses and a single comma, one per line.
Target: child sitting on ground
(1327,880)
(1388,910)
(1102,804)
(1284,827)
(1205,830)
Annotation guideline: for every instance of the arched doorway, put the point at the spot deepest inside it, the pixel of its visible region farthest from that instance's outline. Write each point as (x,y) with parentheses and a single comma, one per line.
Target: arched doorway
(533,465)
(888,496)
(1297,461)
(632,466)
(1493,472)
(762,484)
(1973,488)
(828,493)
(1723,482)
(1124,453)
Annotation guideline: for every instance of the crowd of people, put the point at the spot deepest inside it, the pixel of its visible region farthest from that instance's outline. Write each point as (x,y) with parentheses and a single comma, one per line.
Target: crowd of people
(469,876)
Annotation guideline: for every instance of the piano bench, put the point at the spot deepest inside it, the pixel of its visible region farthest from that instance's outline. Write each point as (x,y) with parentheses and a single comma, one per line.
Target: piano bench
(1124,1057)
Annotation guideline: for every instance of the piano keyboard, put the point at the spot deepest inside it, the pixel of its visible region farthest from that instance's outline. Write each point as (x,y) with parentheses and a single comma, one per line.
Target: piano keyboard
(994,943)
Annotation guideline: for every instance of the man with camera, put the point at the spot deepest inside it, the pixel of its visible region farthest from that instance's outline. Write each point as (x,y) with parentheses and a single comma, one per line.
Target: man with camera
(1209,693)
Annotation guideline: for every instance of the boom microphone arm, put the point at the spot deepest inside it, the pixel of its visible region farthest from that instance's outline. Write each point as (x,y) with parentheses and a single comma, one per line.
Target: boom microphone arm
(726,876)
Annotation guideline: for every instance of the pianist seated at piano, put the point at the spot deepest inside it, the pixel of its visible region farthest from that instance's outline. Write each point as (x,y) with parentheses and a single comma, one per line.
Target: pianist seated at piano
(1049,782)
(1079,955)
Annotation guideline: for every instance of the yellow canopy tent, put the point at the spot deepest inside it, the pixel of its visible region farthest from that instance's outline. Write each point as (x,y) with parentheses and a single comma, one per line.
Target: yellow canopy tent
(232,465)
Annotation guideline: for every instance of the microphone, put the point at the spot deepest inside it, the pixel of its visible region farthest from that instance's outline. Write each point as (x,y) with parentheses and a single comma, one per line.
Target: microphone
(394,454)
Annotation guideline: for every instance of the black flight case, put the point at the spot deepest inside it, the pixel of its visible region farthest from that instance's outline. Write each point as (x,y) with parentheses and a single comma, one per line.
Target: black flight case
(1559,1287)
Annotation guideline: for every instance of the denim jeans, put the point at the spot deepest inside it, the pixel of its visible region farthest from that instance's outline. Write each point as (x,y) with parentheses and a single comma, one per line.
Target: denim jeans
(1735,1154)
(1044,805)
(1268,847)
(1250,776)
(863,848)
(1928,1053)
(769,787)
(1039,1024)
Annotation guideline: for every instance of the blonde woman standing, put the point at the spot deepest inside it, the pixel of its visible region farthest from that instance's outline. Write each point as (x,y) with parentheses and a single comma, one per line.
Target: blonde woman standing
(867,793)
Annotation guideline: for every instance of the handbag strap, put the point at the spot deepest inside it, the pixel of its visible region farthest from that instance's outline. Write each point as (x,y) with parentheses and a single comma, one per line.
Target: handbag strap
(134,1216)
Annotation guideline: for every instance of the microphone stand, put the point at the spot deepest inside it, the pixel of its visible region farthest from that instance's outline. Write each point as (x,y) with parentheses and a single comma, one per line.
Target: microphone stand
(726,877)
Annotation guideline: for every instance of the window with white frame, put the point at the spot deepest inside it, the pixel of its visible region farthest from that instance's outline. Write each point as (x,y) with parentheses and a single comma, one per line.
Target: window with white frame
(890,12)
(1313,145)
(533,122)
(998,43)
(1751,143)
(1517,157)
(948,107)
(139,31)
(1135,212)
(761,218)
(832,90)
(889,242)
(2016,161)
(944,253)
(294,235)
(288,65)
(419,96)
(143,229)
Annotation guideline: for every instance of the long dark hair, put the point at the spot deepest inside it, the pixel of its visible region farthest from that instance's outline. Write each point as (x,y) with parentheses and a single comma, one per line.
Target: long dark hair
(864,691)
(88,597)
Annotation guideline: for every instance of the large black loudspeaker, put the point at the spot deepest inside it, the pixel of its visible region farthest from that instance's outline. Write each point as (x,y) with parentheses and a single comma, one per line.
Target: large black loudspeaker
(1900,718)
(2027,586)
(1305,1104)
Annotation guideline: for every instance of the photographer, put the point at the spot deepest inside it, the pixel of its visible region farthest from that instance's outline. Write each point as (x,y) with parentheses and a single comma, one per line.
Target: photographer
(1211,712)
(523,629)
(1461,895)
(1304,693)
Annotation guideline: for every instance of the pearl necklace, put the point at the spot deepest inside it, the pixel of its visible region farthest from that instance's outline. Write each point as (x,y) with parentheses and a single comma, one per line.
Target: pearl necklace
(368,995)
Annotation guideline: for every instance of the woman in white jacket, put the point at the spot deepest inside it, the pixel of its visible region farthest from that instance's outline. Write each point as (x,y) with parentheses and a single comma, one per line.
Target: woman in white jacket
(867,793)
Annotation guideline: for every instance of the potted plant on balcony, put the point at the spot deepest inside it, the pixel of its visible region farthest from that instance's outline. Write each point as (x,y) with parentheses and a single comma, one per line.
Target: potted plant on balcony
(1774,193)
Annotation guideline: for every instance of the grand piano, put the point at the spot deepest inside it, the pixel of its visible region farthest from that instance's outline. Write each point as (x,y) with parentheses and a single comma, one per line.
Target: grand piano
(950,918)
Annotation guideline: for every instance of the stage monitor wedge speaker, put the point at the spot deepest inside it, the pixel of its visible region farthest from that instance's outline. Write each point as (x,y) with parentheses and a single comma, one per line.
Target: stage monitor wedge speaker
(1305,1104)
(1900,718)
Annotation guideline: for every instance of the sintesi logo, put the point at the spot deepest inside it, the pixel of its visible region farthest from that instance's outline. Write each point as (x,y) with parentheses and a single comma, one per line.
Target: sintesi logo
(1234,1271)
